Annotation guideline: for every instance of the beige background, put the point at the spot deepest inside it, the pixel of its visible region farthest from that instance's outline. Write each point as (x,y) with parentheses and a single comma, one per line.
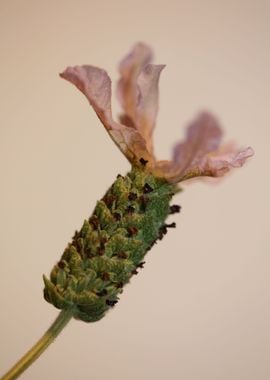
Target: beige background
(200,309)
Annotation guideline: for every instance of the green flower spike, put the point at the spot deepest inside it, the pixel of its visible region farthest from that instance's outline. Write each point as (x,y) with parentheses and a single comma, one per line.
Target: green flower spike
(130,218)
(111,245)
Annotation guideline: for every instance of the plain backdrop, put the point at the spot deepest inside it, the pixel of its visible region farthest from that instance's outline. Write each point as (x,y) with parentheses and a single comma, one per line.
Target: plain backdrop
(200,308)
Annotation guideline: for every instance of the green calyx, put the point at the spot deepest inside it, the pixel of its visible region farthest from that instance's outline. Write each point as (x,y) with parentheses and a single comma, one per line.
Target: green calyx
(111,245)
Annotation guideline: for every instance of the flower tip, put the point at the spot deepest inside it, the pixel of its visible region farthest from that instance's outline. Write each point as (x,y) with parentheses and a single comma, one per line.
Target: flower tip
(61,74)
(141,45)
(242,156)
(250,152)
(67,73)
(218,165)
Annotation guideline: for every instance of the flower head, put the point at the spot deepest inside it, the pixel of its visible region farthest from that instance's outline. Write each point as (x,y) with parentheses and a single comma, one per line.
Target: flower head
(199,155)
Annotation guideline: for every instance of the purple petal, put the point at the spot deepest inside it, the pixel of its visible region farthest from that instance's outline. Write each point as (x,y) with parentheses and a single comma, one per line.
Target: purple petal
(95,84)
(130,67)
(200,156)
(138,91)
(219,163)
(203,136)
(147,107)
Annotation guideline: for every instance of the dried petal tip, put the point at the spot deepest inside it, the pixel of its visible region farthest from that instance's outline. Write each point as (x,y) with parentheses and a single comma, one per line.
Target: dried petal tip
(219,164)
(95,84)
(199,155)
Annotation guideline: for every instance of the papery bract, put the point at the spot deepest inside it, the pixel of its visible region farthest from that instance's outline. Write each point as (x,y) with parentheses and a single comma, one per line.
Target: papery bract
(199,155)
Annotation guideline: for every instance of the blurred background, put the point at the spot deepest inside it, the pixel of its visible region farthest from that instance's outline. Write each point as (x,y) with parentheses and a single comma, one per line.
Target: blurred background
(200,308)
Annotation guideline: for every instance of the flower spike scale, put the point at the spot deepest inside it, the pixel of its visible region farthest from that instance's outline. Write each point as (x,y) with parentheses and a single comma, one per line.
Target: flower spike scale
(111,245)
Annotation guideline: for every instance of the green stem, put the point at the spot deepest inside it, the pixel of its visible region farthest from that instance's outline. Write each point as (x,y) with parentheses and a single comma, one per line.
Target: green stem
(41,345)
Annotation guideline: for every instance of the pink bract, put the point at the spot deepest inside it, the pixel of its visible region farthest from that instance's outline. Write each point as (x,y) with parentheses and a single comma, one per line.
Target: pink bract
(200,155)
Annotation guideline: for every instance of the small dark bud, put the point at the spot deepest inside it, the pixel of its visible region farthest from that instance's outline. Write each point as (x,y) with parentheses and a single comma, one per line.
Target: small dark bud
(94,221)
(78,245)
(163,229)
(102,293)
(61,264)
(132,231)
(132,196)
(108,200)
(174,209)
(134,271)
(75,245)
(143,161)
(144,200)
(119,176)
(76,235)
(152,244)
(172,225)
(147,188)
(101,251)
(117,216)
(141,265)
(105,276)
(111,302)
(89,254)
(130,210)
(103,240)
(162,232)
(122,255)
(119,285)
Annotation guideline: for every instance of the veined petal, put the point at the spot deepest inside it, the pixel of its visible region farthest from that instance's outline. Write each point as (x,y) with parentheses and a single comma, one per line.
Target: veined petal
(203,136)
(95,84)
(199,155)
(218,163)
(130,67)
(214,164)
(138,91)
(147,107)
(166,169)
